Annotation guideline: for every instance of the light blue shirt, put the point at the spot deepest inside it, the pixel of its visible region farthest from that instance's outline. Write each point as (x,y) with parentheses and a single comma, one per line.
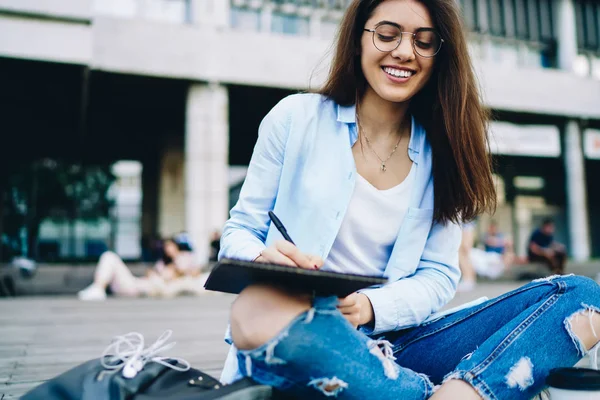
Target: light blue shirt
(303,169)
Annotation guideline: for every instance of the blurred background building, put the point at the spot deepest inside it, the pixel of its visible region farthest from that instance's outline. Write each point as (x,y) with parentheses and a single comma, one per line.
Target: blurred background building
(125,120)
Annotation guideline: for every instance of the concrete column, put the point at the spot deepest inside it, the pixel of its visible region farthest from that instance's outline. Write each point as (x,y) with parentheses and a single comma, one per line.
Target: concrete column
(171,200)
(522,217)
(266,16)
(315,22)
(214,13)
(566,33)
(206,162)
(577,207)
(221,13)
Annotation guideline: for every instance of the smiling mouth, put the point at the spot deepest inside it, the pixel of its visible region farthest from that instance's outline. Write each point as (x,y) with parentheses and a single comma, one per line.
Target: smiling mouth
(397,73)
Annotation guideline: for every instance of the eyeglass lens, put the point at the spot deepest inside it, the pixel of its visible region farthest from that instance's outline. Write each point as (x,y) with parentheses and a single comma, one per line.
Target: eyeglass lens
(426,43)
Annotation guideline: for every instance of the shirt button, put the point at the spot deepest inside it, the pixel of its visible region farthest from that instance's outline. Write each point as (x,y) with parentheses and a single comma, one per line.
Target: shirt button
(350,176)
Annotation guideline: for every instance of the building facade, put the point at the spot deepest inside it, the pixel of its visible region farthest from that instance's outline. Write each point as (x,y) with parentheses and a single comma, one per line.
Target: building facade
(181,85)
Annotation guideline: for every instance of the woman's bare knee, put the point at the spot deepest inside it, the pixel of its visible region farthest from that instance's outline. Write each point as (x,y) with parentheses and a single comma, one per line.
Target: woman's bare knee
(585,325)
(261,312)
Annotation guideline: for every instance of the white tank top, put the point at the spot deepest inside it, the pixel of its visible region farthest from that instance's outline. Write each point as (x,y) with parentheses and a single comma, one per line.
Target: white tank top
(370,228)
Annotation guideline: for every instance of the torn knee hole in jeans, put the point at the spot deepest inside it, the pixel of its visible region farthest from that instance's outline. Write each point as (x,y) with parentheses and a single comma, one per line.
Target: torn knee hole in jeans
(270,358)
(382,349)
(586,312)
(521,374)
(329,386)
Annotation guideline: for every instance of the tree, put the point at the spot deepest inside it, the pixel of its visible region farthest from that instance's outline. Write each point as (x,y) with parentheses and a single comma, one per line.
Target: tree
(50,188)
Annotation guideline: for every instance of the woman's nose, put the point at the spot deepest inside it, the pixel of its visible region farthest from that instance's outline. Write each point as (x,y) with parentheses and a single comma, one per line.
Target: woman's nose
(405,50)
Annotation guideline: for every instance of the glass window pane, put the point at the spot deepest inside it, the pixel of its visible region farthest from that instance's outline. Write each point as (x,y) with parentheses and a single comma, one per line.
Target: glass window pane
(580,23)
(597,23)
(469,14)
(534,22)
(509,20)
(546,19)
(289,24)
(495,17)
(590,26)
(245,19)
(521,16)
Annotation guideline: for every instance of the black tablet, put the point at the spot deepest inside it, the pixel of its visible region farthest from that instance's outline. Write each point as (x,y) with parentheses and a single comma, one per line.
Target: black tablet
(232,276)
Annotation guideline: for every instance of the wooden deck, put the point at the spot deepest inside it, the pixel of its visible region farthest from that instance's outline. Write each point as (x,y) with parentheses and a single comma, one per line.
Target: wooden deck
(41,337)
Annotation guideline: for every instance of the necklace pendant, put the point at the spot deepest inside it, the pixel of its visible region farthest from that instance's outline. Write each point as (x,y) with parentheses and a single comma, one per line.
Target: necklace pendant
(383,167)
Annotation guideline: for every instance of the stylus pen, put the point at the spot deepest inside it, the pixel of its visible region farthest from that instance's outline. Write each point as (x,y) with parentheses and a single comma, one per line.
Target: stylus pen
(280,227)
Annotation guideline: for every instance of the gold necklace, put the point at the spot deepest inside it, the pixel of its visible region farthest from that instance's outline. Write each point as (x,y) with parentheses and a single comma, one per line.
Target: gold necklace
(383,167)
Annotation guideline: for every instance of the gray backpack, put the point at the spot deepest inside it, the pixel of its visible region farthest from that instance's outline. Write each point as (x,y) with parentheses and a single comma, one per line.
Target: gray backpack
(91,381)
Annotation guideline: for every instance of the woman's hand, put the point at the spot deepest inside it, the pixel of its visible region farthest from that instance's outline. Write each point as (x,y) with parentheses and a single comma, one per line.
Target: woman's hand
(357,309)
(283,252)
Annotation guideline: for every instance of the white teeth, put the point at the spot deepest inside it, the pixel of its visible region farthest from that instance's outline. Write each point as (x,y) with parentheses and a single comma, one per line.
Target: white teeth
(400,73)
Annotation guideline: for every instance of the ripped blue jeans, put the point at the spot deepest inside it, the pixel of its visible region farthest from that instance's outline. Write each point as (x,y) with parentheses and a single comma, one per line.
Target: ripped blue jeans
(504,348)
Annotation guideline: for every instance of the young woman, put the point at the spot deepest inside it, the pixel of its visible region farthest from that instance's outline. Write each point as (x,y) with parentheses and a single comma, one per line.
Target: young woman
(374,175)
(165,279)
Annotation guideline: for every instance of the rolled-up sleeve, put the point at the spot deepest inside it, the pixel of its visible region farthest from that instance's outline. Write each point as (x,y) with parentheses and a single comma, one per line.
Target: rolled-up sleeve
(245,232)
(409,301)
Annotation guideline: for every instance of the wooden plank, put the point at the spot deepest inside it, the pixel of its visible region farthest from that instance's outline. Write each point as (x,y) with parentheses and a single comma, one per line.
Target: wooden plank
(44,336)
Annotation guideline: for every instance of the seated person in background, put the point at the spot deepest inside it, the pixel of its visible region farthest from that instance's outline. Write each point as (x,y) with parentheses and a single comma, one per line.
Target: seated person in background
(215,246)
(542,247)
(178,262)
(496,256)
(496,242)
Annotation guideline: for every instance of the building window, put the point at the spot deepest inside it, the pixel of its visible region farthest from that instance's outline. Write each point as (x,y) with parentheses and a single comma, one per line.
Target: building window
(289,24)
(245,19)
(587,14)
(530,22)
(470,11)
(520,16)
(495,15)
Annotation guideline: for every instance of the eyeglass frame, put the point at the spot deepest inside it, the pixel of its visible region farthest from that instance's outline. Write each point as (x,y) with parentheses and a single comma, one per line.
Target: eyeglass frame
(414,35)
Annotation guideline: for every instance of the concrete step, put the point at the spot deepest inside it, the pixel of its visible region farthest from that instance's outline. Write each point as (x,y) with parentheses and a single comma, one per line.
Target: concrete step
(62,279)
(526,272)
(53,279)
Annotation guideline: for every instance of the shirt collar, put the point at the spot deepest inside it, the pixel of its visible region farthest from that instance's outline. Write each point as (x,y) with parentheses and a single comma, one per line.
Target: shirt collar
(416,137)
(347,114)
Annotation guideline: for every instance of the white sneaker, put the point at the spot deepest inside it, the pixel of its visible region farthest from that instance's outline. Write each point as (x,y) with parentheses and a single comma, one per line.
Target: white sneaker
(92,293)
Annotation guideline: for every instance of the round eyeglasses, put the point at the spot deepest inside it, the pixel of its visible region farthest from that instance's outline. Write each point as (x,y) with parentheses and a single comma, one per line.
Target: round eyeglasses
(426,41)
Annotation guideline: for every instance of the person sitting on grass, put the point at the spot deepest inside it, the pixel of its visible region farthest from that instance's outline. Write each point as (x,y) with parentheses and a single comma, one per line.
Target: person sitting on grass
(164,279)
(543,248)
(496,257)
(496,242)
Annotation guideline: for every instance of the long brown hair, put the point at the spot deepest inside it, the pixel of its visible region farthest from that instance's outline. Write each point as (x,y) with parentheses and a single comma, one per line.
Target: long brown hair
(449,107)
